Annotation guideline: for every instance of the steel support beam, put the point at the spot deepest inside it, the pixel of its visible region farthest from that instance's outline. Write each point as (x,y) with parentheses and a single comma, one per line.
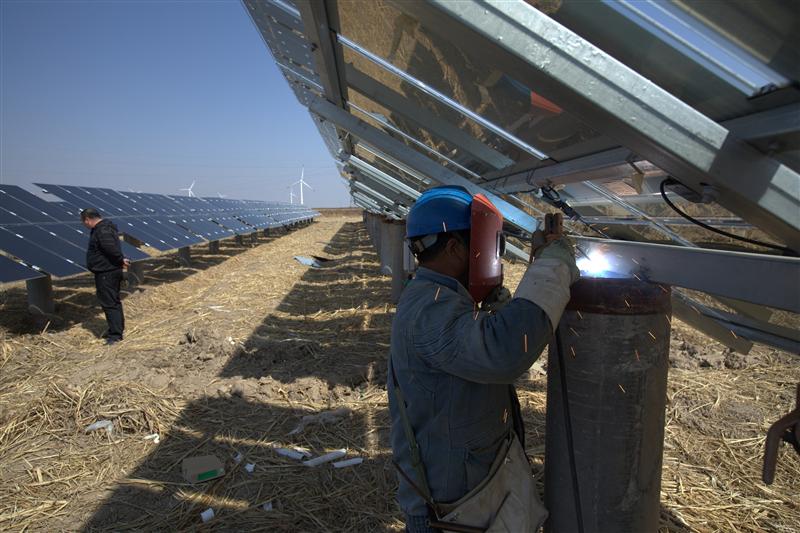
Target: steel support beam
(620,103)
(384,178)
(316,16)
(135,274)
(423,118)
(184,256)
(213,247)
(761,279)
(416,160)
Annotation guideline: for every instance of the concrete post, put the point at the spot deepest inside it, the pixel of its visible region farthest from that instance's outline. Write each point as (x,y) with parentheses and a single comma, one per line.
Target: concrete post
(254,237)
(385,251)
(266,232)
(213,247)
(606,395)
(240,240)
(135,274)
(184,256)
(40,295)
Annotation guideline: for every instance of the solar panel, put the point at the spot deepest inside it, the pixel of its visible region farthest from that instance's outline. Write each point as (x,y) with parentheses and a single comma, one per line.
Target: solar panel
(36,255)
(605,119)
(13,271)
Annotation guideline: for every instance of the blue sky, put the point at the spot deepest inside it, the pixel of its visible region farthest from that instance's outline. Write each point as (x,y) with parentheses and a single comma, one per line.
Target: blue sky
(150,96)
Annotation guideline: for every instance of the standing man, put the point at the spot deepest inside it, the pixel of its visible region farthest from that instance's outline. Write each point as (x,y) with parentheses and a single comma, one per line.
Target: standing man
(105,260)
(456,433)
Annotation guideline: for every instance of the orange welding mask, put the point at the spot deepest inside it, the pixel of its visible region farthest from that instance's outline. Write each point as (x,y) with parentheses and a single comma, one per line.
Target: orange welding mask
(486,246)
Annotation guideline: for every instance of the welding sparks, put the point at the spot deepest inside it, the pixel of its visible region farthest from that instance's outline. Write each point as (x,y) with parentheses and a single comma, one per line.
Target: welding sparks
(662,288)
(573,331)
(477,255)
(668,319)
(594,264)
(626,302)
(651,334)
(436,296)
(634,260)
(579,314)
(620,388)
(637,355)
(637,277)
(525,341)
(444,226)
(734,335)
(572,349)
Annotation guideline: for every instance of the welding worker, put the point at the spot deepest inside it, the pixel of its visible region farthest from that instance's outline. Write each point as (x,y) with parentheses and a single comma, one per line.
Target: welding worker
(105,260)
(456,427)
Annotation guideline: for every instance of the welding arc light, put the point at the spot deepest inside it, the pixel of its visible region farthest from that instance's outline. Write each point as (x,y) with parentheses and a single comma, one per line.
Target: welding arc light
(595,266)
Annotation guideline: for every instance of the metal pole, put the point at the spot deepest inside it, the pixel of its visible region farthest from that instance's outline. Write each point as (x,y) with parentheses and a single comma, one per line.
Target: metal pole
(213,247)
(606,395)
(184,256)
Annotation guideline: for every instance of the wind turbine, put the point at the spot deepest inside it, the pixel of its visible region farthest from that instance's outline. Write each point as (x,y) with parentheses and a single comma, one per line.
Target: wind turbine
(292,195)
(222,195)
(189,189)
(302,183)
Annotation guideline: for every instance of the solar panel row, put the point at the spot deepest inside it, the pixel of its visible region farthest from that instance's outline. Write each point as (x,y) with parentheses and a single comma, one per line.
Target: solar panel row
(48,237)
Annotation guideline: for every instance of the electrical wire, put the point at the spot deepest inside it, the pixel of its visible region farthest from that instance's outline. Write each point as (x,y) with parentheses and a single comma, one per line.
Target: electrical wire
(693,220)
(568,427)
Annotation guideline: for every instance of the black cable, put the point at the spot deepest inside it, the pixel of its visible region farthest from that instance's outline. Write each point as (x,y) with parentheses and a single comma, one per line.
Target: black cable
(717,230)
(568,424)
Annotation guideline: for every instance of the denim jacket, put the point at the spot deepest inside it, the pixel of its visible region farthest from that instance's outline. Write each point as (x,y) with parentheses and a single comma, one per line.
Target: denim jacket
(455,367)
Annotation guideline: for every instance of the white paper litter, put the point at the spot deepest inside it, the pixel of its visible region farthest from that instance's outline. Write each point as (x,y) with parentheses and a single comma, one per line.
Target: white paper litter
(267,506)
(325,417)
(207,515)
(328,457)
(349,462)
(249,467)
(155,437)
(238,458)
(108,425)
(296,453)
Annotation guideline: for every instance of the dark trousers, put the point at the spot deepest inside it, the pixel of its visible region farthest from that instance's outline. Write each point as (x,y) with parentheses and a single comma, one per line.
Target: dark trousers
(108,284)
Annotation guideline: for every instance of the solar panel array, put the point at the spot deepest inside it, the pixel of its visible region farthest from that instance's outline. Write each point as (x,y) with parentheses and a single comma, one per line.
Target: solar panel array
(42,237)
(601,100)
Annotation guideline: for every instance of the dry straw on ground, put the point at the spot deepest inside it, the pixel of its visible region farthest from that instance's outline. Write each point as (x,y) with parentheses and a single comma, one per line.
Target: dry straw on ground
(274,342)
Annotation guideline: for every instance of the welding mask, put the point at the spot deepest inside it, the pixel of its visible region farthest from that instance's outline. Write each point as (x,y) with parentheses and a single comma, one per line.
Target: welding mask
(452,208)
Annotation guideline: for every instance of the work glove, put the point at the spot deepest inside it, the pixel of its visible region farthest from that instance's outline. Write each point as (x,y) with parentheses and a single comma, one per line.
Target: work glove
(497,299)
(562,249)
(546,282)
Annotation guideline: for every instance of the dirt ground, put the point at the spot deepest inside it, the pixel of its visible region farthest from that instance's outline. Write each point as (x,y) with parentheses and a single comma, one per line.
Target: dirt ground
(240,352)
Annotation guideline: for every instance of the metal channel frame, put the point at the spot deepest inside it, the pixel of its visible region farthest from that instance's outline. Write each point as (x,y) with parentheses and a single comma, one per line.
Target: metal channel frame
(618,102)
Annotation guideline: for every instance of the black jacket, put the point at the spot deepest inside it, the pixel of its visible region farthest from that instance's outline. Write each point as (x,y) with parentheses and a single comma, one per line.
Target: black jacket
(104,253)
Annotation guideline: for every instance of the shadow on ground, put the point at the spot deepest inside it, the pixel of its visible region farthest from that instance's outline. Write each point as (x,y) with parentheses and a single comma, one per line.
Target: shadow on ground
(320,330)
(332,325)
(75,297)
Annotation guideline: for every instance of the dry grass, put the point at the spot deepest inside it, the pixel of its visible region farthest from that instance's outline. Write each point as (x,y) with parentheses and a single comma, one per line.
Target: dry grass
(302,342)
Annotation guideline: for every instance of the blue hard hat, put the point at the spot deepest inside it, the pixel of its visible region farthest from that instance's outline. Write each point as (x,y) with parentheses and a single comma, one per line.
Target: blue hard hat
(438,210)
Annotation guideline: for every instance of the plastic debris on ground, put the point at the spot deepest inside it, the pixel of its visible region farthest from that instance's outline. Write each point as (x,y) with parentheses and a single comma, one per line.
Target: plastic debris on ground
(249,467)
(328,457)
(295,453)
(267,506)
(348,462)
(307,261)
(155,437)
(326,417)
(238,458)
(108,425)
(207,515)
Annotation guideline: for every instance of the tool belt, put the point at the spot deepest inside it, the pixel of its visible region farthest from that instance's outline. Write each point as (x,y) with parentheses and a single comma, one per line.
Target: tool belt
(505,501)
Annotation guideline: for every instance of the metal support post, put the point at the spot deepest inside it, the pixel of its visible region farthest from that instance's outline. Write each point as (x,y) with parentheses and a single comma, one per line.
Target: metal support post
(606,395)
(40,295)
(135,274)
(184,256)
(396,245)
(213,247)
(239,240)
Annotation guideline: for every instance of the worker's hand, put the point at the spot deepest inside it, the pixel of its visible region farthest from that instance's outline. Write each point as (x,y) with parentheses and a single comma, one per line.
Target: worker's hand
(562,249)
(552,230)
(499,297)
(126,263)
